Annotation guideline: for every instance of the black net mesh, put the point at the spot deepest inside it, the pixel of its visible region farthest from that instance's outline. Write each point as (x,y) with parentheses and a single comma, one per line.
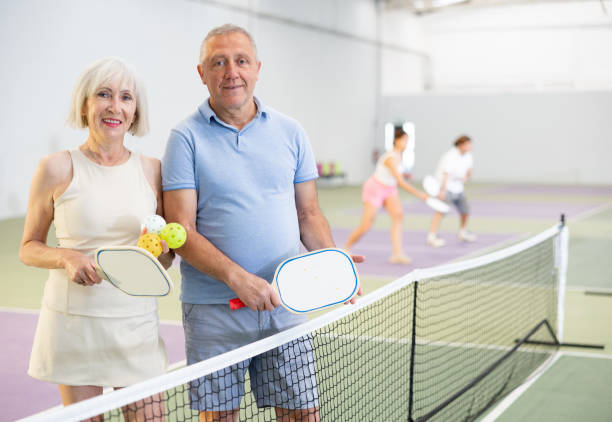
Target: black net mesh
(441,348)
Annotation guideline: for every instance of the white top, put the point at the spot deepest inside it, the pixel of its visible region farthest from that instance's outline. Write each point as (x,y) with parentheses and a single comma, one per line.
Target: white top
(102,206)
(457,166)
(382,172)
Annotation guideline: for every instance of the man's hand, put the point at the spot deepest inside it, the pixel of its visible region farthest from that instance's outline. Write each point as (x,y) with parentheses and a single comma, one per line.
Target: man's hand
(356,259)
(167,255)
(256,293)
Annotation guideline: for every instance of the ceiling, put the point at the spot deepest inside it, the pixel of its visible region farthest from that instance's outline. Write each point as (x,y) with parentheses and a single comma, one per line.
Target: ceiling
(420,7)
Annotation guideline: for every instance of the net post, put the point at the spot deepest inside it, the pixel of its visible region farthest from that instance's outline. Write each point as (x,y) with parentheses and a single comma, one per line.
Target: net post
(563,251)
(412,346)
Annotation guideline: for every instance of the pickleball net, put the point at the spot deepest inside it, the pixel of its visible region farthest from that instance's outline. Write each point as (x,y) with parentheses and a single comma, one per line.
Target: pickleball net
(440,344)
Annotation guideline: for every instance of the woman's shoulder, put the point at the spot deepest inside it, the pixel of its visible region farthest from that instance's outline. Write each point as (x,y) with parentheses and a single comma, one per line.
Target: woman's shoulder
(151,168)
(150,163)
(53,174)
(56,167)
(391,156)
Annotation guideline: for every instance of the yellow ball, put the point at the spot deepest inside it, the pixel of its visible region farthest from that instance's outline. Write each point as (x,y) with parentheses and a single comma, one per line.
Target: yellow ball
(174,234)
(151,242)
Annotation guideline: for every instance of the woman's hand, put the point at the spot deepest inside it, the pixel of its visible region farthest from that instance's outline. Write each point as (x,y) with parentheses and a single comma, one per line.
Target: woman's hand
(80,268)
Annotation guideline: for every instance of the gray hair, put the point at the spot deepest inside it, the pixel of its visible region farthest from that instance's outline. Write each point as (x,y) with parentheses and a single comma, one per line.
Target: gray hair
(228,28)
(96,74)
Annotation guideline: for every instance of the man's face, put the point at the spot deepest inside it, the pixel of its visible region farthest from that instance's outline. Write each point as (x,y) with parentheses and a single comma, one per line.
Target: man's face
(465,147)
(230,71)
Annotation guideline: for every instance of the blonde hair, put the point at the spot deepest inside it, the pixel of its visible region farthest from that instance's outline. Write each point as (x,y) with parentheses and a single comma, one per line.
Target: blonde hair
(96,74)
(228,28)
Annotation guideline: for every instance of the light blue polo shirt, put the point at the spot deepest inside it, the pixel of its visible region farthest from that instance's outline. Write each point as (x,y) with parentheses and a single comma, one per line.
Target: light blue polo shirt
(245,189)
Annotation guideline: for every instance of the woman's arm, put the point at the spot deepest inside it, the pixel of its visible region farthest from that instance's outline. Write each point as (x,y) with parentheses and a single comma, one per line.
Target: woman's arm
(152,169)
(391,164)
(51,178)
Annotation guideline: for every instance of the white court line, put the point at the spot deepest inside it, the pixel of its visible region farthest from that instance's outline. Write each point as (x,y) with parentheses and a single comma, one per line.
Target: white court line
(30,311)
(171,322)
(589,213)
(586,355)
(20,310)
(491,248)
(517,392)
(586,214)
(584,289)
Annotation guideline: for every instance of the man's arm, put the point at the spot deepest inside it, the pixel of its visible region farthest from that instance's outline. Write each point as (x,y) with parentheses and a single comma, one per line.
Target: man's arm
(468,175)
(181,206)
(442,194)
(314,228)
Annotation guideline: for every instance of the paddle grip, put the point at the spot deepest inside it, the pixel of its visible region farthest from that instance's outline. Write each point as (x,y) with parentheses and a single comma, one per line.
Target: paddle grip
(236,304)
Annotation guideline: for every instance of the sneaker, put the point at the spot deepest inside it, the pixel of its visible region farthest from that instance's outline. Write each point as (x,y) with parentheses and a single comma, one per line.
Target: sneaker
(435,241)
(400,259)
(466,236)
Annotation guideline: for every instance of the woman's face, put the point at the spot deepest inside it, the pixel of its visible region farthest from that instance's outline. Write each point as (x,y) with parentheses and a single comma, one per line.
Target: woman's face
(401,142)
(110,110)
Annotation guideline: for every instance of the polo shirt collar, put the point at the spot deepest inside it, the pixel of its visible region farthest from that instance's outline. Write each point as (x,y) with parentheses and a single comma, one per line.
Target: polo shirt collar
(209,113)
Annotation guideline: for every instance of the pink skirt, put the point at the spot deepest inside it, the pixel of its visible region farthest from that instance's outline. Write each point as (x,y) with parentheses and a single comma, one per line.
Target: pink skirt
(376,193)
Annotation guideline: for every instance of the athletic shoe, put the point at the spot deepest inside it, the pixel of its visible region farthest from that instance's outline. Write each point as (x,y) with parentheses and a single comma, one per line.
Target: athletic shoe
(434,241)
(466,236)
(400,259)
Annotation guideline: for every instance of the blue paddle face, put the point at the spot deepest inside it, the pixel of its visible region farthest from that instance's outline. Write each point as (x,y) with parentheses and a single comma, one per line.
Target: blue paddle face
(316,280)
(133,270)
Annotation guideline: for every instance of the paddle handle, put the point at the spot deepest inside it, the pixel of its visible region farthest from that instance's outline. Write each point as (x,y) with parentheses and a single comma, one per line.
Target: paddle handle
(236,304)
(101,273)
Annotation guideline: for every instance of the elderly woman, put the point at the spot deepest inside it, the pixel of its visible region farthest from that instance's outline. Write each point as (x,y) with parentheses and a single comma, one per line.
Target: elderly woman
(90,334)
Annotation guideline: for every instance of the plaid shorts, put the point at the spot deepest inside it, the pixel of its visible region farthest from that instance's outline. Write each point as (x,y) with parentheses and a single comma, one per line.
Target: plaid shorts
(281,377)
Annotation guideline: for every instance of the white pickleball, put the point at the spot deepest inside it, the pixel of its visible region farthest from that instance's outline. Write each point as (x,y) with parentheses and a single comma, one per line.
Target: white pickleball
(153,223)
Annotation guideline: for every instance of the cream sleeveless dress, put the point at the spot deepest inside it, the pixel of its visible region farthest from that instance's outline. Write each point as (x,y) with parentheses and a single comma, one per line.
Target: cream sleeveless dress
(97,335)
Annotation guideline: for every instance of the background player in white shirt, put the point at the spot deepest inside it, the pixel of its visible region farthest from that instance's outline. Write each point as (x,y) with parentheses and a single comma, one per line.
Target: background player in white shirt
(454,169)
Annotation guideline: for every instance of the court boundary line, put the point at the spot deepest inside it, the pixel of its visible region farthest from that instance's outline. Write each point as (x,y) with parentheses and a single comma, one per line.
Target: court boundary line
(18,310)
(30,311)
(589,355)
(491,248)
(590,213)
(503,405)
(509,400)
(585,289)
(522,236)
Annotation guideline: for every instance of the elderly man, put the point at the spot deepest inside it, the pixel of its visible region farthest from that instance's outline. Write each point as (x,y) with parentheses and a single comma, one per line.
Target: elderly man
(240,177)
